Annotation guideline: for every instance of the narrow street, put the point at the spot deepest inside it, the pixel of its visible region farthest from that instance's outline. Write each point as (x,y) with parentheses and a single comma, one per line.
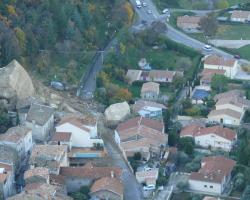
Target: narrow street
(132,189)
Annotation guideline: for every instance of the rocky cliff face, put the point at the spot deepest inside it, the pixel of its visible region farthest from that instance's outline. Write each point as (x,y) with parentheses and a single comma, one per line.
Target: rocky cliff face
(15,83)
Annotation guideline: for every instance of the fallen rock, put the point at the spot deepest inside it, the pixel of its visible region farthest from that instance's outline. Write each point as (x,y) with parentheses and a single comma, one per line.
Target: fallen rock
(116,113)
(15,83)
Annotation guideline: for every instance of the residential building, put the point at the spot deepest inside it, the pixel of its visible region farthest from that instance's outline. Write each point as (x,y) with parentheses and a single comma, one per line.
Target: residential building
(108,188)
(229,94)
(225,116)
(37,175)
(76,177)
(161,76)
(40,119)
(83,130)
(141,134)
(230,65)
(147,177)
(150,90)
(62,138)
(41,191)
(49,156)
(7,180)
(230,108)
(240,16)
(214,175)
(10,155)
(207,75)
(18,138)
(189,23)
(215,137)
(148,109)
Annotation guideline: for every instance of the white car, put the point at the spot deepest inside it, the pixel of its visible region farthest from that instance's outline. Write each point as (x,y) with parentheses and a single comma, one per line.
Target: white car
(165,11)
(147,169)
(207,48)
(149,187)
(149,11)
(144,4)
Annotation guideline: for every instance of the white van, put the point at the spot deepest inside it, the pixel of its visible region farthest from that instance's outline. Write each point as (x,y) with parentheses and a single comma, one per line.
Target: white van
(138,3)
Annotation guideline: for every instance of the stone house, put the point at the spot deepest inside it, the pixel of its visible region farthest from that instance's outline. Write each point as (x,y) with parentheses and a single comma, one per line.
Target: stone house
(40,119)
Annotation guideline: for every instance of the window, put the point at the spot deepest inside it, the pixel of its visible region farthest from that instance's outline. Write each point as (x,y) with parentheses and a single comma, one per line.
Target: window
(205,186)
(211,186)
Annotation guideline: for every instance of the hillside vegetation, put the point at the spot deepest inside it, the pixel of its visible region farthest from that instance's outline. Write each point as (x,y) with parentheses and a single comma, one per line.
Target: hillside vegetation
(58,38)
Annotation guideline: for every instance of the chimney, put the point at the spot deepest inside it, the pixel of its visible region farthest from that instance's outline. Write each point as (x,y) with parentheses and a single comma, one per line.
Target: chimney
(112,174)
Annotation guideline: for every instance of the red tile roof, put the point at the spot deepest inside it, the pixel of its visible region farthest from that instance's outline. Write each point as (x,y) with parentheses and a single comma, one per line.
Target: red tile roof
(190,130)
(108,184)
(141,121)
(221,61)
(62,136)
(195,130)
(207,74)
(214,169)
(90,171)
(150,86)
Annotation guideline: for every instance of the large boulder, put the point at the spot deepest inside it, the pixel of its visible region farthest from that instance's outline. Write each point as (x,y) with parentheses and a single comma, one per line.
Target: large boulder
(15,83)
(116,113)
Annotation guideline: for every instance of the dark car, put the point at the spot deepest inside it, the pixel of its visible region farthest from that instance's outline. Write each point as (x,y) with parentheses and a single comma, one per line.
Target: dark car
(237,56)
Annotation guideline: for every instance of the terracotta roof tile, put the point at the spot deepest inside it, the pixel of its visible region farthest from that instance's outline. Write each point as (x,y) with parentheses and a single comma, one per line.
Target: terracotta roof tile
(62,136)
(188,19)
(190,130)
(221,61)
(207,74)
(161,74)
(79,121)
(229,94)
(38,171)
(150,86)
(90,171)
(214,169)
(228,112)
(107,183)
(15,134)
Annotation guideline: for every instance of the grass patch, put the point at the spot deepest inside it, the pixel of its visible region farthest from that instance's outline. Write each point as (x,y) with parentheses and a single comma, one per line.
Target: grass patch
(233,32)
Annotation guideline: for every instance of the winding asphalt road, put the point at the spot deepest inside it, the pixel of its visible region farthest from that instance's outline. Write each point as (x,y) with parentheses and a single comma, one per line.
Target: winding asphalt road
(172,33)
(87,88)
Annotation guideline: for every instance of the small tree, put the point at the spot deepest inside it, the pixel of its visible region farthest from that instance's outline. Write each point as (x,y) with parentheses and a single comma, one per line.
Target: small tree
(182,185)
(209,25)
(137,156)
(246,193)
(187,145)
(219,83)
(222,4)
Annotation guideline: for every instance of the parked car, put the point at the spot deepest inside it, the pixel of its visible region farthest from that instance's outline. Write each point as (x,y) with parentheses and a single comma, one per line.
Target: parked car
(207,48)
(144,4)
(149,11)
(149,187)
(165,11)
(237,56)
(147,168)
(57,85)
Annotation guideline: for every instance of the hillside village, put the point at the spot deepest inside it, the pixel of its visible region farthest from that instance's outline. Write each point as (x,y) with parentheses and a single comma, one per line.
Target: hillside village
(166,121)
